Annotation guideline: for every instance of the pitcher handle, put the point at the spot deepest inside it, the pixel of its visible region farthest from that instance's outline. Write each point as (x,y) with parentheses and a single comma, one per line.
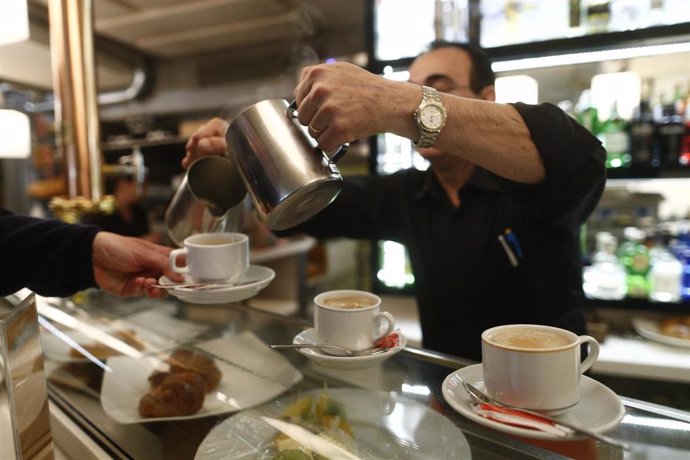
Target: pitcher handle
(292,108)
(342,150)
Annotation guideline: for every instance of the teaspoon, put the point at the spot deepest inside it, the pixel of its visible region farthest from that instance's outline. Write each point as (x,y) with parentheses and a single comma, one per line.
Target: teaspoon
(480,397)
(337,349)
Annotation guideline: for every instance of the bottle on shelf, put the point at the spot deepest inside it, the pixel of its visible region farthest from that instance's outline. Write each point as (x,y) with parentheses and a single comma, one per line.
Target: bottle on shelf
(682,242)
(615,139)
(685,280)
(665,276)
(642,128)
(670,130)
(606,277)
(684,157)
(575,16)
(598,15)
(586,113)
(634,256)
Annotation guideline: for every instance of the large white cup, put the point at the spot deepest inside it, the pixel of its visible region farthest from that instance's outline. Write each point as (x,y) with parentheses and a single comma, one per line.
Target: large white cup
(213,257)
(535,367)
(350,319)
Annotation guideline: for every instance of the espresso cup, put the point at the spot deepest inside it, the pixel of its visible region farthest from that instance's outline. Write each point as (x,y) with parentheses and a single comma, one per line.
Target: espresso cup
(535,367)
(350,319)
(213,257)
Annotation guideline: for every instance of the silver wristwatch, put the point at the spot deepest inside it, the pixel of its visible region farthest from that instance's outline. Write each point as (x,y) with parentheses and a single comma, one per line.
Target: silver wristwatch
(430,117)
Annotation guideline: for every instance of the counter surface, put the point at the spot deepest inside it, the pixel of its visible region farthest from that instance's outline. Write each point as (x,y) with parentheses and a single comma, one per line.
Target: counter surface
(100,396)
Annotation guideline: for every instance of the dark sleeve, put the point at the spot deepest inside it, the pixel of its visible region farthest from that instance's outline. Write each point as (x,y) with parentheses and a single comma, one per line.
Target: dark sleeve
(50,257)
(574,161)
(368,207)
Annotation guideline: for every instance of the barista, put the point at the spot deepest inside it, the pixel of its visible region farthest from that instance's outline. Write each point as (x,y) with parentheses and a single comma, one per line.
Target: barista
(492,227)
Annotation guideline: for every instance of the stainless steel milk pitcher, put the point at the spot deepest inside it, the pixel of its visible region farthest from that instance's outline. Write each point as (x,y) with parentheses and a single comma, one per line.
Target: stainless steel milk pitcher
(289,178)
(206,200)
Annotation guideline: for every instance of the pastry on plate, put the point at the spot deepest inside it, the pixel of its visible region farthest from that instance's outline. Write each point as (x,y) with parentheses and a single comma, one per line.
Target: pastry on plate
(676,326)
(179,394)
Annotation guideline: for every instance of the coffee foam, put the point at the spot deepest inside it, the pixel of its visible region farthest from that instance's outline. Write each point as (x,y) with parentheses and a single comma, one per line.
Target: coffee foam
(529,338)
(349,302)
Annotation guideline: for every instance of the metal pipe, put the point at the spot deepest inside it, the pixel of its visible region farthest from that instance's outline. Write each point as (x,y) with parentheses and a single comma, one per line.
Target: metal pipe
(76,107)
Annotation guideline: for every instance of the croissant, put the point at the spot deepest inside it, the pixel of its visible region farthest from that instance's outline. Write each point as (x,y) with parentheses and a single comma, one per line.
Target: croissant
(179,394)
(157,377)
(184,359)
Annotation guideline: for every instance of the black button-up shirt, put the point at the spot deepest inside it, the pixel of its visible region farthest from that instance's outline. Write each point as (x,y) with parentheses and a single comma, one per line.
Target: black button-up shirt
(464,281)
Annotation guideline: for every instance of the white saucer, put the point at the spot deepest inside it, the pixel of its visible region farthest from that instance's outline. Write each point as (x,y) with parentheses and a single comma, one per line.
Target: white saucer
(256,278)
(343,362)
(599,409)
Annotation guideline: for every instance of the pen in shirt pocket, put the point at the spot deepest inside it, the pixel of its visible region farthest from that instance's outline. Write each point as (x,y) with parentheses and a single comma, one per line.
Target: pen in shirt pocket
(509,252)
(512,238)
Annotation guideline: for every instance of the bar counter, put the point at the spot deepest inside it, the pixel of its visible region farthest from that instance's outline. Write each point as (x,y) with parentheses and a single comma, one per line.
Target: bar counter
(394,407)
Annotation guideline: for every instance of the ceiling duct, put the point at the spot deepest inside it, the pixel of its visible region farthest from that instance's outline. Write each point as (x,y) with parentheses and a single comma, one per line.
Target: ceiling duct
(135,68)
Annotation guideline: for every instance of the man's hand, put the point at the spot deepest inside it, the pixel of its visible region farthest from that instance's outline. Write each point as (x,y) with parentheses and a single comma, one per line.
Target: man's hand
(127,266)
(208,139)
(342,102)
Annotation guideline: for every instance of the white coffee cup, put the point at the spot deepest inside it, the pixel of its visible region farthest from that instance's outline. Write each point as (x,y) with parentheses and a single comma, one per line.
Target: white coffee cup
(350,319)
(213,257)
(535,367)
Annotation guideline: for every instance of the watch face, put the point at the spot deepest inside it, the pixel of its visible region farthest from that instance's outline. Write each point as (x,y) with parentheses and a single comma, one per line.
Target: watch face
(431,117)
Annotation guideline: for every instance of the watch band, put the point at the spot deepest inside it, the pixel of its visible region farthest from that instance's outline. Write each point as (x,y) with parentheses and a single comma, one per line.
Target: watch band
(428,137)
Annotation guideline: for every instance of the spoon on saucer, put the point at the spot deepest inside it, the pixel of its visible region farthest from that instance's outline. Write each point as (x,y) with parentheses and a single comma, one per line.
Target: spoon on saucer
(200,285)
(337,350)
(479,397)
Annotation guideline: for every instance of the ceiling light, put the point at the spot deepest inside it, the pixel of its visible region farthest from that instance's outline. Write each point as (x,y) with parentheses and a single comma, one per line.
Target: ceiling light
(14,22)
(15,134)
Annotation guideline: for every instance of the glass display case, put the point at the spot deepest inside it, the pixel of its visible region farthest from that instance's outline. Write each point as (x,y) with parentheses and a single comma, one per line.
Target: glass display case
(106,356)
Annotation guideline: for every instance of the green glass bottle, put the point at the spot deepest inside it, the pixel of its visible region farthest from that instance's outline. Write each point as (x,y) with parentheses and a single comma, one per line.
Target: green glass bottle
(635,257)
(586,113)
(615,137)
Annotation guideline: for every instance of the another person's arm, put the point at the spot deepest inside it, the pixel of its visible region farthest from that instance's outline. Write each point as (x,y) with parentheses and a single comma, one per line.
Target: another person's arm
(208,139)
(54,258)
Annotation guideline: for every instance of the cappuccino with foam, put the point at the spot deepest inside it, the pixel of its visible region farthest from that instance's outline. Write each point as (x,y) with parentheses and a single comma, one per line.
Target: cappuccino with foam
(534,366)
(529,338)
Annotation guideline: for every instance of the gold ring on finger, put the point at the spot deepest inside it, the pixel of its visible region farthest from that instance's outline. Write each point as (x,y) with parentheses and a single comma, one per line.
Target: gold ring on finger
(314,130)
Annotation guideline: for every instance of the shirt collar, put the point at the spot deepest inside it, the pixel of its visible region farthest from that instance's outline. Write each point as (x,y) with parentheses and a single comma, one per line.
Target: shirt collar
(480,179)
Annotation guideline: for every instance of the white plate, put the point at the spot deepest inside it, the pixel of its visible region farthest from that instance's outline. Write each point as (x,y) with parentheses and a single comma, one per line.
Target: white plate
(649,329)
(343,362)
(57,348)
(256,278)
(599,409)
(252,374)
(385,425)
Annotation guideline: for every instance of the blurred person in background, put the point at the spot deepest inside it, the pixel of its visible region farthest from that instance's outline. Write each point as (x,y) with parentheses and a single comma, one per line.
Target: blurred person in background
(130,217)
(492,227)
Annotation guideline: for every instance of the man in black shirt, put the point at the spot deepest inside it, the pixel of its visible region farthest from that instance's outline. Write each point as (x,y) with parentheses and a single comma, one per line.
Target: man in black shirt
(492,227)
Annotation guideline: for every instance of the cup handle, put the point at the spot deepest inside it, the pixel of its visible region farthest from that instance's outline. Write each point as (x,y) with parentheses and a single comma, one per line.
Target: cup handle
(389,320)
(593,352)
(174,254)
